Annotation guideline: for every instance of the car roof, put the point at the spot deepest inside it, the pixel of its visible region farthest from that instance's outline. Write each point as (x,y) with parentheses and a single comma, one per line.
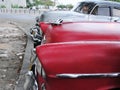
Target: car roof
(106,2)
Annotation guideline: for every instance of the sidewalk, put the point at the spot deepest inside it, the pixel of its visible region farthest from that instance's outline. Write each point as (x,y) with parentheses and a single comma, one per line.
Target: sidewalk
(22,24)
(12,50)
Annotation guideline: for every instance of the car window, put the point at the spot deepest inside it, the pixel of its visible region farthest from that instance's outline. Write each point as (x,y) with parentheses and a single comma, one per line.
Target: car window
(85,7)
(116,12)
(103,11)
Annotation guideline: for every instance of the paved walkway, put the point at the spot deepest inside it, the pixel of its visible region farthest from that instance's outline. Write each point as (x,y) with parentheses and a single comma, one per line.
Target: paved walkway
(12,49)
(23,22)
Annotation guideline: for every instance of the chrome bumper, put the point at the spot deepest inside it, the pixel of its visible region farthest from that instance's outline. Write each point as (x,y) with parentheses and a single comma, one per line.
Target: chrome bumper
(96,75)
(30,82)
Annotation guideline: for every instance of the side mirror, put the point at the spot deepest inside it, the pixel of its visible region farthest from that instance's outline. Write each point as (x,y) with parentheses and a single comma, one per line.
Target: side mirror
(116,19)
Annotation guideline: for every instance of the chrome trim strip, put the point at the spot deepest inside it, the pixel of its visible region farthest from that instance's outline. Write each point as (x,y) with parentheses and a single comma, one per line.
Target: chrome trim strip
(96,75)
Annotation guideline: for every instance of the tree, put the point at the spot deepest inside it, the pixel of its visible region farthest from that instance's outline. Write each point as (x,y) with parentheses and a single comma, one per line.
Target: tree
(69,6)
(44,2)
(47,3)
(29,4)
(61,6)
(39,2)
(115,0)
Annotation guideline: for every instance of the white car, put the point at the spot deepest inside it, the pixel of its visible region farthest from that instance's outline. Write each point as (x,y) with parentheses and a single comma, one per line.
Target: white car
(98,10)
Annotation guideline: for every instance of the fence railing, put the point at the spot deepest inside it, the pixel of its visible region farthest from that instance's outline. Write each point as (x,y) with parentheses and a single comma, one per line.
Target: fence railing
(22,11)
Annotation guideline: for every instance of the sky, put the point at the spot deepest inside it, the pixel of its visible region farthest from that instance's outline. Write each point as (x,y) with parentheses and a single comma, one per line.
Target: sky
(73,2)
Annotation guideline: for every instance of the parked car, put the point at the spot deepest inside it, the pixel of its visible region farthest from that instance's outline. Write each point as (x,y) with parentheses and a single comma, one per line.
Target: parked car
(97,10)
(76,50)
(77,56)
(80,31)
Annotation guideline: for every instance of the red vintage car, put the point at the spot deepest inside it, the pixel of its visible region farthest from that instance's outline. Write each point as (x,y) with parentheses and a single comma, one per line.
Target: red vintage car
(81,31)
(86,10)
(77,56)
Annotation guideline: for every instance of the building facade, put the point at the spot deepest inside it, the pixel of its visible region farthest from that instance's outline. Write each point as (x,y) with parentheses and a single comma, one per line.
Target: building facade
(11,3)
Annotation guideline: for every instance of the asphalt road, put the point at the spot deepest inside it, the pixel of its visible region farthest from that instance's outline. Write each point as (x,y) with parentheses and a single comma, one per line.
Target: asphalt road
(24,22)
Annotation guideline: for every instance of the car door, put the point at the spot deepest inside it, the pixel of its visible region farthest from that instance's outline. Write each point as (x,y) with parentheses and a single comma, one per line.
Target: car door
(100,13)
(115,14)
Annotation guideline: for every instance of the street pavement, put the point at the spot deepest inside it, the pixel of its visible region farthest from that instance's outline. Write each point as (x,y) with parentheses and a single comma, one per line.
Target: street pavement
(23,22)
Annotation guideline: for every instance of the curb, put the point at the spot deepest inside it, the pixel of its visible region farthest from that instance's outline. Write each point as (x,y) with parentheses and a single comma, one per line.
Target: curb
(26,61)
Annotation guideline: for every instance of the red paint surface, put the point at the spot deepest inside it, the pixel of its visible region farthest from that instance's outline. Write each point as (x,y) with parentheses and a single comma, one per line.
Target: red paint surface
(82,31)
(80,48)
(78,58)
